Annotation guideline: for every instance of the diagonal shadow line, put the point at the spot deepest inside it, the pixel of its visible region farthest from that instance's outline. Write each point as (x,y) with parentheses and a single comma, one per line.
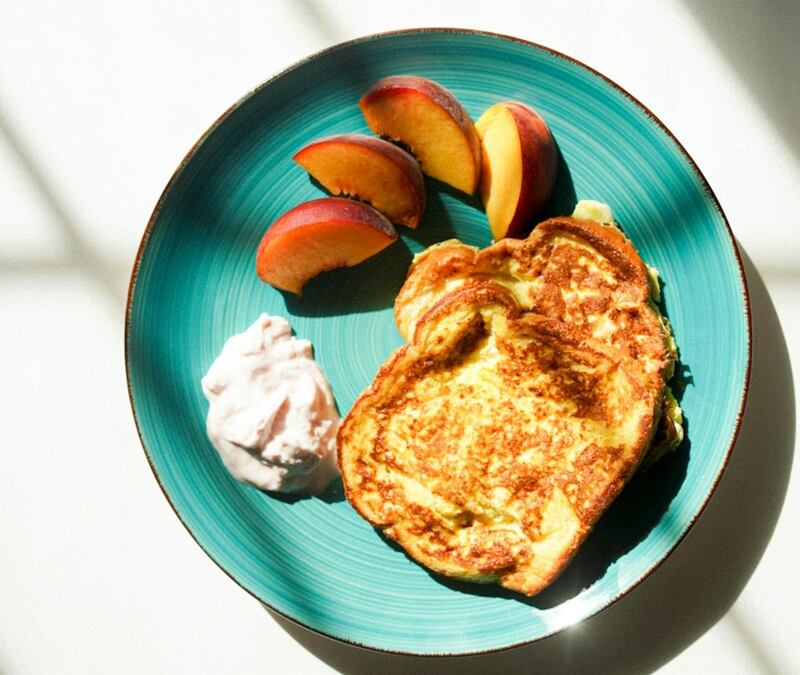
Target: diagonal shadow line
(80,252)
(751,642)
(759,41)
(21,265)
(10,265)
(323,23)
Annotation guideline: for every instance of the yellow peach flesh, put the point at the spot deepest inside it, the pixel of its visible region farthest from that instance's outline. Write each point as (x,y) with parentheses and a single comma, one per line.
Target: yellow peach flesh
(363,172)
(501,175)
(299,254)
(430,132)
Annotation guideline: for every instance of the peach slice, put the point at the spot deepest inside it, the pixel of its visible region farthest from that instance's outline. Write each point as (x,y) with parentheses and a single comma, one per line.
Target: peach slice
(317,236)
(374,170)
(430,121)
(520,162)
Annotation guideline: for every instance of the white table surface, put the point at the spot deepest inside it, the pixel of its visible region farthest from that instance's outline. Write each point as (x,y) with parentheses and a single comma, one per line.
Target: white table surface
(99,101)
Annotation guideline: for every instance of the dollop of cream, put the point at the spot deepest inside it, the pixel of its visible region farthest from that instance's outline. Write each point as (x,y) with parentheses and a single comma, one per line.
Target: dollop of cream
(271,413)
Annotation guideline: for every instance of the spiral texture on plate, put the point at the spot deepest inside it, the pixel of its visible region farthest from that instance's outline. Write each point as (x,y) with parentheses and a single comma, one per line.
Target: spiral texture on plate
(317,561)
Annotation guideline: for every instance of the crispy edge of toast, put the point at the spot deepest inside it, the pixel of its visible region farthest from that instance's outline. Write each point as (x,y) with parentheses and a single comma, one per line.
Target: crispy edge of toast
(477,294)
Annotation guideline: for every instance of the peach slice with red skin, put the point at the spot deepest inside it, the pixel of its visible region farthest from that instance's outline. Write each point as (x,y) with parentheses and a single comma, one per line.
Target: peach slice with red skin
(317,236)
(430,121)
(371,169)
(520,162)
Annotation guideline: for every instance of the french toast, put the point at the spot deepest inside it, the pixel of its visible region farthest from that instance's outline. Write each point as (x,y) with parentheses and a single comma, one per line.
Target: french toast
(491,442)
(577,270)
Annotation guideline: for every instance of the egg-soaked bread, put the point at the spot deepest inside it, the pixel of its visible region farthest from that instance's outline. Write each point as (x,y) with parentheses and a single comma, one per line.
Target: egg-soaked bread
(577,270)
(489,445)
(581,272)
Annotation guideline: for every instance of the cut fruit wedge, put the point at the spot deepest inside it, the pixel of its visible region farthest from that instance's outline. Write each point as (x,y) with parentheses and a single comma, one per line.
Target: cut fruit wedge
(430,121)
(317,236)
(520,162)
(370,169)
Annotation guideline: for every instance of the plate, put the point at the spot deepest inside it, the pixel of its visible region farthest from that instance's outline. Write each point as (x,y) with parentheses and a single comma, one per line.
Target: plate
(194,284)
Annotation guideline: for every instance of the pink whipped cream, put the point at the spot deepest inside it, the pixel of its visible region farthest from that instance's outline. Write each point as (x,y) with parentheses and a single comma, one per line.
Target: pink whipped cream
(271,414)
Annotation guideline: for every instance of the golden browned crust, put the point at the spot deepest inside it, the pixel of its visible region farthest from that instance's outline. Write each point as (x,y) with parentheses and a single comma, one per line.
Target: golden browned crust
(581,272)
(490,444)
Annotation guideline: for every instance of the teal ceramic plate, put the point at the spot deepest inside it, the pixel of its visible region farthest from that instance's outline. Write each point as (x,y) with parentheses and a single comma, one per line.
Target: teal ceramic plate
(314,560)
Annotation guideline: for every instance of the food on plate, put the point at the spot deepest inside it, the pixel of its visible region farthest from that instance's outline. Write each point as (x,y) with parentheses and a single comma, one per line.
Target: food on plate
(532,387)
(429,120)
(534,381)
(317,236)
(371,169)
(589,209)
(271,414)
(519,166)
(577,270)
(489,445)
(669,433)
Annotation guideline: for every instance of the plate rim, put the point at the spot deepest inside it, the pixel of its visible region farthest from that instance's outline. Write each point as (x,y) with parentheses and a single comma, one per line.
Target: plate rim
(501,37)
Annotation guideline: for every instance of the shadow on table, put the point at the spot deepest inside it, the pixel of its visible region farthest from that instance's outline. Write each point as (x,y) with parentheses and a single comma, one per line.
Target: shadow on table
(758,39)
(79,254)
(693,588)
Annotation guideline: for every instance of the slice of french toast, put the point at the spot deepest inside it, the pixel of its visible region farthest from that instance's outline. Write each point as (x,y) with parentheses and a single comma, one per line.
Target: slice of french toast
(489,445)
(577,270)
